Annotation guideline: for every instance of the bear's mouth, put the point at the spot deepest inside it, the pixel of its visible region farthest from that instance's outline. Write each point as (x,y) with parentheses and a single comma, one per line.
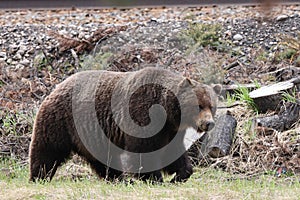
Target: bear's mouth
(200,130)
(204,127)
(202,134)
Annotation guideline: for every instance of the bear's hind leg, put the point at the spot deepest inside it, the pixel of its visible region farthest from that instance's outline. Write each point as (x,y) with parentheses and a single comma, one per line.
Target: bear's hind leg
(45,161)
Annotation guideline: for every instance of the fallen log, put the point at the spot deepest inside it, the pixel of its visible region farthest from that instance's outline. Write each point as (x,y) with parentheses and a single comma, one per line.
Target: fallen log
(284,74)
(269,97)
(217,142)
(284,120)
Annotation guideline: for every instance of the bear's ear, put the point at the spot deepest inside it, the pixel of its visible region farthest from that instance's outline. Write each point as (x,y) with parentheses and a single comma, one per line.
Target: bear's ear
(186,82)
(217,88)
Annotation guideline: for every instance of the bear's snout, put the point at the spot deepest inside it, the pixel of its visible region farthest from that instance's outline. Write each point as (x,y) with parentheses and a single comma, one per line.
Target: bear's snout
(205,121)
(210,125)
(205,125)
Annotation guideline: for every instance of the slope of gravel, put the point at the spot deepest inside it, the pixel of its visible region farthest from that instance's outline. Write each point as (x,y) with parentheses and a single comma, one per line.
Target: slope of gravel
(26,37)
(25,33)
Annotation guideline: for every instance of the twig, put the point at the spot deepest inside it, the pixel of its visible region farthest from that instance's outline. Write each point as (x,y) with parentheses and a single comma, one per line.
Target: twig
(75,56)
(45,54)
(232,65)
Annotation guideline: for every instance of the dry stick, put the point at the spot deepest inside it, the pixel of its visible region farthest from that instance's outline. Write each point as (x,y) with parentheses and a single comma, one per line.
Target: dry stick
(232,65)
(98,42)
(230,106)
(75,56)
(11,100)
(45,54)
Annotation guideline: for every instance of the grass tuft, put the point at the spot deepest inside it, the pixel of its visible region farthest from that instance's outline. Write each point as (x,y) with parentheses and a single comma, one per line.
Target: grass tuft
(290,49)
(287,97)
(99,61)
(242,94)
(200,35)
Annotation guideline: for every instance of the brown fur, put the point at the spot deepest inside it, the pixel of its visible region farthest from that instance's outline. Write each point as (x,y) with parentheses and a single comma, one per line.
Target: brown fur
(55,136)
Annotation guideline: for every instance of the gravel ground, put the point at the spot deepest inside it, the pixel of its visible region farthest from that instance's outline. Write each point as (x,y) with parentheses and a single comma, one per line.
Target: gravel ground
(24,34)
(40,48)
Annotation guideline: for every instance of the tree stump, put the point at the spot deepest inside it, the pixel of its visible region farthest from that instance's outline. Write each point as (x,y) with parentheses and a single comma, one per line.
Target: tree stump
(217,142)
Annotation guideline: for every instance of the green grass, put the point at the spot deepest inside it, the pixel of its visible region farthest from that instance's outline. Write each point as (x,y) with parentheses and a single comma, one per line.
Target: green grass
(287,97)
(242,94)
(230,99)
(204,184)
(99,61)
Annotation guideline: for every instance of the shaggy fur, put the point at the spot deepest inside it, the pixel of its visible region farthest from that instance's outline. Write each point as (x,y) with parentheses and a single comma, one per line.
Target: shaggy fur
(55,137)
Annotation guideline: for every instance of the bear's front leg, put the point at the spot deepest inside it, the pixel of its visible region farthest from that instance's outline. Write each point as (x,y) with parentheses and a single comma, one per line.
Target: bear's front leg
(183,174)
(152,177)
(182,167)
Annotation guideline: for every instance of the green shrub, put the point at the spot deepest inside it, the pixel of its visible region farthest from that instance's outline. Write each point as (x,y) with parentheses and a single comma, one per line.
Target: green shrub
(204,35)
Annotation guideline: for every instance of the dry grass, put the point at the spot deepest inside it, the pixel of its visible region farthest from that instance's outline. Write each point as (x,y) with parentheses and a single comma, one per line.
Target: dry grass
(258,150)
(204,184)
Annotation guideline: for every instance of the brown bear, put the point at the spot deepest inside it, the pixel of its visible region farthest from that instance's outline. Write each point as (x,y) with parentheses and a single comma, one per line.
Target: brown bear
(121,123)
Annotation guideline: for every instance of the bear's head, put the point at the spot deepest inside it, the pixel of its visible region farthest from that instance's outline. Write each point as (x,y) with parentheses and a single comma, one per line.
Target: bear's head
(201,101)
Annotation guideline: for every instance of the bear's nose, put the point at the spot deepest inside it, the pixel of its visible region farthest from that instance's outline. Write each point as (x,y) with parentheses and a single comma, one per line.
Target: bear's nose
(210,125)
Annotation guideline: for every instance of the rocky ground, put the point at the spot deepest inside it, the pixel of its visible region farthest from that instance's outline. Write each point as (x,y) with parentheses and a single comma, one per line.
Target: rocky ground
(40,48)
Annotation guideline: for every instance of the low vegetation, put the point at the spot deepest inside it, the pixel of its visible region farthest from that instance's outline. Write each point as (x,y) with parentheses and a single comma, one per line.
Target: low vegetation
(201,35)
(288,49)
(206,183)
(242,94)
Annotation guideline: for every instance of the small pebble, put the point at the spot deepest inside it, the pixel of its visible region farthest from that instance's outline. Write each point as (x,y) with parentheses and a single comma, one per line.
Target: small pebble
(25,62)
(238,37)
(13,48)
(17,57)
(3,56)
(282,17)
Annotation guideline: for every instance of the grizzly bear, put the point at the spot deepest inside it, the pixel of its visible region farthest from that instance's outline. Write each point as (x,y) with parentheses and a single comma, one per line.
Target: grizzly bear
(121,123)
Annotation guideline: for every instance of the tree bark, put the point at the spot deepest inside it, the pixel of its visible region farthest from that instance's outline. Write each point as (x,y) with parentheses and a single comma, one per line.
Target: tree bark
(217,142)
(282,121)
(269,97)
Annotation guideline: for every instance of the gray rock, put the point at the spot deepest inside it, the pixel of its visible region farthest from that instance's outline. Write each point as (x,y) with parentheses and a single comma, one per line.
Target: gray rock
(20,66)
(238,37)
(21,52)
(17,57)
(282,17)
(13,48)
(3,56)
(25,62)
(31,50)
(9,61)
(23,47)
